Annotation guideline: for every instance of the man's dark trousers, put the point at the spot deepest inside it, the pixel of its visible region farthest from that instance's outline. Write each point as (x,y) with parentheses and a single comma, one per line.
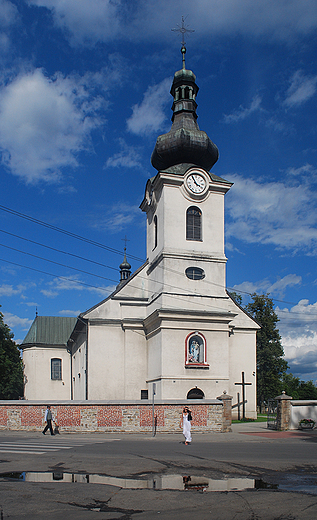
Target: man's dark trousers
(48,426)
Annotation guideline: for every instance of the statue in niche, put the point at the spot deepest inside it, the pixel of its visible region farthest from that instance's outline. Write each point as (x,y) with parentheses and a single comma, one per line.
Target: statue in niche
(194,350)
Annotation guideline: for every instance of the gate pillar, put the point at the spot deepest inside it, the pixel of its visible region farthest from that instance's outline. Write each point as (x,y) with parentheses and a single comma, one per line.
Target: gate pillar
(283,416)
(226,412)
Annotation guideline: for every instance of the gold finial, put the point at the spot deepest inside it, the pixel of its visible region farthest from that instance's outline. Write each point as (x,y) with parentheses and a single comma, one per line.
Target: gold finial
(183,29)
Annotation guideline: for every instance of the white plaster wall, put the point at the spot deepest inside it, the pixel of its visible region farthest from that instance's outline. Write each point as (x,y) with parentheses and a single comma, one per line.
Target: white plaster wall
(135,364)
(154,355)
(106,375)
(243,359)
(117,362)
(39,385)
(170,209)
(302,410)
(79,368)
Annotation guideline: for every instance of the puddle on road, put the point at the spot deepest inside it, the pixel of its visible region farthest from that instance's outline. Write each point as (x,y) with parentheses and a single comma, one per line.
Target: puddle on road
(304,484)
(177,482)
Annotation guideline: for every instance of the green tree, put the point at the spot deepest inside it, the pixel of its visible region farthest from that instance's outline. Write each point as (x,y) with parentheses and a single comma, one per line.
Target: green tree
(298,389)
(236,297)
(11,366)
(271,366)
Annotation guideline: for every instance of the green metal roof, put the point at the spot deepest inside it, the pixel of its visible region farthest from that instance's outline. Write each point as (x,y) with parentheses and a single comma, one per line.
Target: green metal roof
(50,330)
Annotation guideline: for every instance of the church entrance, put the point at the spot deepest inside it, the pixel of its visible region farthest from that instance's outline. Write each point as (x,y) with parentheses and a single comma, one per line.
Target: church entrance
(195,393)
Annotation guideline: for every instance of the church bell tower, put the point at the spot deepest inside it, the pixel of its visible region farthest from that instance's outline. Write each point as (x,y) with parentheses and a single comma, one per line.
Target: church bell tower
(184,202)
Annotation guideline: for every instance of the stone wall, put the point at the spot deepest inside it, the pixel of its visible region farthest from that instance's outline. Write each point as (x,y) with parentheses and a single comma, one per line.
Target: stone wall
(98,416)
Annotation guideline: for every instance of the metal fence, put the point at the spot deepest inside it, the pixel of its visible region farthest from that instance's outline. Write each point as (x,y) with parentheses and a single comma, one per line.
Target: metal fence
(272,414)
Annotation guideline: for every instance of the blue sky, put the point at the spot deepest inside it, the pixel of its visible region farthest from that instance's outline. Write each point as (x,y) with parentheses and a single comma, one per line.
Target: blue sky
(84,93)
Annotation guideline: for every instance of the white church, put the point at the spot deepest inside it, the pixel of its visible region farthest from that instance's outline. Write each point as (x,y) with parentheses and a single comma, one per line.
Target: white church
(171,325)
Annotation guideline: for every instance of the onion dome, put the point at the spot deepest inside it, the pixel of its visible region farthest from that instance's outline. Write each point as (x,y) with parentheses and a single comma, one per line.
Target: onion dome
(185,142)
(125,269)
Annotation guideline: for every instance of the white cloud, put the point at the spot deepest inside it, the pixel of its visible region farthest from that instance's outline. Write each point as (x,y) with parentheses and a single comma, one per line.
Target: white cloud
(8,13)
(128,157)
(92,20)
(117,217)
(242,113)
(299,320)
(301,89)
(45,122)
(149,115)
(14,321)
(69,313)
(282,214)
(298,328)
(73,283)
(9,290)
(85,20)
(8,17)
(276,289)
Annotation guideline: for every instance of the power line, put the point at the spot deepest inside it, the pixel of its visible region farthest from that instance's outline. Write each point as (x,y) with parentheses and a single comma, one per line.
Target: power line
(54,275)
(110,267)
(65,232)
(171,296)
(59,250)
(57,263)
(97,244)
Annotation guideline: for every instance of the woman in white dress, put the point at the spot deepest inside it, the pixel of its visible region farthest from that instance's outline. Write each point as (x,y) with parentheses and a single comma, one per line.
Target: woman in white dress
(186,423)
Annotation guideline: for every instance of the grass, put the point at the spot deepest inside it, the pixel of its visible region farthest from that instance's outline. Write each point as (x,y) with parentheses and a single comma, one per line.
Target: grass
(261,418)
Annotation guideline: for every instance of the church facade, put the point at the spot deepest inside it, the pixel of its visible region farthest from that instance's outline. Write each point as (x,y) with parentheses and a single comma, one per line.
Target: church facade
(170,327)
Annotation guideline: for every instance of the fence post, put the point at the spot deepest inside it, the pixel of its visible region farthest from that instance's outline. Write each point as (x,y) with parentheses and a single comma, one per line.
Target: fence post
(226,412)
(283,416)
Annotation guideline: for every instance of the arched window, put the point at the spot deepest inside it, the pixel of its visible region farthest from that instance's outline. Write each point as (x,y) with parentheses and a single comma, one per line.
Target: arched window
(56,369)
(195,393)
(193,224)
(155,231)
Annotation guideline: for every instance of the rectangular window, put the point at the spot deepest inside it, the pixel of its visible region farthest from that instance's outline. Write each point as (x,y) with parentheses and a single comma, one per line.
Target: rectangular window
(144,394)
(56,369)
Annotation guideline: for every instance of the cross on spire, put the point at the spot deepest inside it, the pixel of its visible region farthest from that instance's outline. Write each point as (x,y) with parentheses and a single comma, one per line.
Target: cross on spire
(125,239)
(183,29)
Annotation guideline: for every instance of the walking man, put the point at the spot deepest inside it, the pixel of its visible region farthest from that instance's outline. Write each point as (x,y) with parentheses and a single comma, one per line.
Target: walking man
(48,418)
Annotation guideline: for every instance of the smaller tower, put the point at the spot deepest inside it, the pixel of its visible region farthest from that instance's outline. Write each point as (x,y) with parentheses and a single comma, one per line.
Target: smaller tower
(125,269)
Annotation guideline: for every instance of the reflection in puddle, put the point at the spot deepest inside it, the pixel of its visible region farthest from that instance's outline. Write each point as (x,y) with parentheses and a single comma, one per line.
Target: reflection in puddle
(177,482)
(304,484)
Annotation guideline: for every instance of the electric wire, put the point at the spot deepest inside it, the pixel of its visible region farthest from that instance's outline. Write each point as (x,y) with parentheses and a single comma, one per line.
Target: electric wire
(54,275)
(79,237)
(57,263)
(65,232)
(59,250)
(113,268)
(97,244)
(103,289)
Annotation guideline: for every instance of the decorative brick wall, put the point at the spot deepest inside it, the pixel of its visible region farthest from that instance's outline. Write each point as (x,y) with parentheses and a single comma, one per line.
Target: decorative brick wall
(133,417)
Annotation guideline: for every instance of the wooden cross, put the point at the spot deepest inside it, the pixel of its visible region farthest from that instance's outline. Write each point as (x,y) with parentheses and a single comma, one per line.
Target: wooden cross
(238,405)
(243,384)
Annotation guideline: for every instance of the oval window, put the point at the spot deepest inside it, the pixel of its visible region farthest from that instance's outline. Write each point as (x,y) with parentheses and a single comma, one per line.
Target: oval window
(195,273)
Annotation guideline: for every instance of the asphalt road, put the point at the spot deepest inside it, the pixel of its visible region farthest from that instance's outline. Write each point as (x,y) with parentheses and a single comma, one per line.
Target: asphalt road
(249,474)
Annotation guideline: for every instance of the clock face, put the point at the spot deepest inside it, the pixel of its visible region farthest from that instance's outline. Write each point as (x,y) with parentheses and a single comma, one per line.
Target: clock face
(196,183)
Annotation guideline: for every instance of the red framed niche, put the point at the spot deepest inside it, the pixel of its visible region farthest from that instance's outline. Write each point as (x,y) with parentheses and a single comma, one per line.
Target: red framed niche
(196,351)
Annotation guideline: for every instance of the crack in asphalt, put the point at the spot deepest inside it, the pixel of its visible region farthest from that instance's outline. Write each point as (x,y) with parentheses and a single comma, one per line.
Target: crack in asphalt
(103,507)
